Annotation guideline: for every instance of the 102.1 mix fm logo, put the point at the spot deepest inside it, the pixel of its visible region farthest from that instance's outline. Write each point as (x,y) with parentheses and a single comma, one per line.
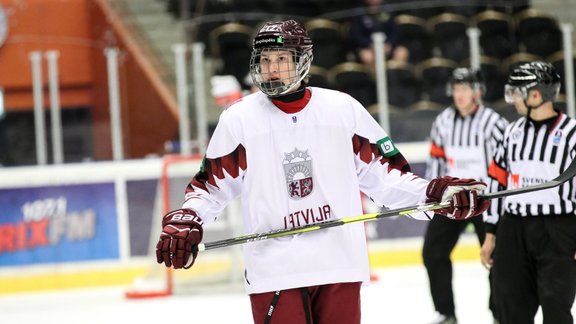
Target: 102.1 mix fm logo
(58,224)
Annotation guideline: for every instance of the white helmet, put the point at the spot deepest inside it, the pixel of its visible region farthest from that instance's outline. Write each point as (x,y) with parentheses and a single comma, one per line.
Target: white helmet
(285,36)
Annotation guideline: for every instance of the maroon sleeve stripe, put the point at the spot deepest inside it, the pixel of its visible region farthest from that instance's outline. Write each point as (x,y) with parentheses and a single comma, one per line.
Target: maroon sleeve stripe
(368,151)
(231,163)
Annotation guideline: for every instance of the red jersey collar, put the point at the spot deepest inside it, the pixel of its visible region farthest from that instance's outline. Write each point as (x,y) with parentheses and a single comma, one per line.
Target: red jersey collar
(294,106)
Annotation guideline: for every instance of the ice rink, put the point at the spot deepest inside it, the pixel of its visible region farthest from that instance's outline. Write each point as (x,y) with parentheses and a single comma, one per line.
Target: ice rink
(400,295)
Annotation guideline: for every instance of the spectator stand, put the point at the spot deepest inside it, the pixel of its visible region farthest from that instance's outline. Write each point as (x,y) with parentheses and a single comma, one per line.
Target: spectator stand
(435,73)
(449,35)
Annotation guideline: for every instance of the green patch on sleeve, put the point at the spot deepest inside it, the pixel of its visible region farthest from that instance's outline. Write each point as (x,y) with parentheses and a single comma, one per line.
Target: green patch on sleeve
(203,162)
(387,147)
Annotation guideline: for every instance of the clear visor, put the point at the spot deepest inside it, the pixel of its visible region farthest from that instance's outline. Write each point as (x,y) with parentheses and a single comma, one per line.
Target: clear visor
(511,93)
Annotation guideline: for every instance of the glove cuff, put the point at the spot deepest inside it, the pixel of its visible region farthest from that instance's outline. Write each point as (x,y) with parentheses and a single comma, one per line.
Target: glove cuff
(186,217)
(436,188)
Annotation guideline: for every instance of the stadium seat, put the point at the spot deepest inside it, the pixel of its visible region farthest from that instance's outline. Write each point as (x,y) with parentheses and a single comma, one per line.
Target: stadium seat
(494,79)
(561,103)
(400,128)
(423,12)
(418,121)
(199,28)
(413,34)
(403,85)
(396,120)
(329,42)
(354,79)
(557,59)
(434,74)
(497,35)
(232,43)
(516,59)
(538,33)
(449,34)
(513,7)
(199,31)
(318,77)
(464,10)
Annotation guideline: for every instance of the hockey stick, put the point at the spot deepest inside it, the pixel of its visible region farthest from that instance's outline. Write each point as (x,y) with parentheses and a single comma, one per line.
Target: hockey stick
(568,174)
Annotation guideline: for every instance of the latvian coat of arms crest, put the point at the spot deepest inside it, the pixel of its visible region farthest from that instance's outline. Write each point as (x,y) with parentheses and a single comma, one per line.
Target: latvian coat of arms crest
(298,172)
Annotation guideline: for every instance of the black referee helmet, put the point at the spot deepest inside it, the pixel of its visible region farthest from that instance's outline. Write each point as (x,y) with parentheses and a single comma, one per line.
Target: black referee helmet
(538,75)
(469,76)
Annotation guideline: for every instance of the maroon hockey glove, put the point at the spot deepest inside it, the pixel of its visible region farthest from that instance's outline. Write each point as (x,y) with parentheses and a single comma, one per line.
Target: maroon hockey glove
(181,232)
(462,194)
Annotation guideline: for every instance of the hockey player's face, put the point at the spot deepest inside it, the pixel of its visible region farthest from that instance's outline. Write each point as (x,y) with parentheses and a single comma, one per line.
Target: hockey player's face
(277,65)
(465,98)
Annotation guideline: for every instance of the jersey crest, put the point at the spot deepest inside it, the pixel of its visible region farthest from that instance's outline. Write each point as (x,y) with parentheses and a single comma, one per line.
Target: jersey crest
(298,173)
(557,137)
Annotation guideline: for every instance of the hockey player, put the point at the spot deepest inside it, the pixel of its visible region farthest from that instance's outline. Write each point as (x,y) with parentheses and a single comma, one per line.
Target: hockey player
(463,139)
(300,155)
(533,259)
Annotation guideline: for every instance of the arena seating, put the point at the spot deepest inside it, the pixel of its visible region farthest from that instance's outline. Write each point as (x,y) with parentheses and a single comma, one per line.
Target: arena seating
(404,86)
(329,42)
(448,31)
(434,35)
(355,79)
(496,33)
(435,73)
(538,33)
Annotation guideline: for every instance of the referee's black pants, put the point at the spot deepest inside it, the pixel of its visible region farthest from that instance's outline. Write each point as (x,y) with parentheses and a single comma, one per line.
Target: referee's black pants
(534,265)
(440,239)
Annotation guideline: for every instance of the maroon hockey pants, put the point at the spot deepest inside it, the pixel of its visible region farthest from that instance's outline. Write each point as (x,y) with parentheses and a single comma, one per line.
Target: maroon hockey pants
(326,304)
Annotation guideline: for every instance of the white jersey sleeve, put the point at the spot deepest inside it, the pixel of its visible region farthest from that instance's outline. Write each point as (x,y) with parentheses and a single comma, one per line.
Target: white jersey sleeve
(219,180)
(383,172)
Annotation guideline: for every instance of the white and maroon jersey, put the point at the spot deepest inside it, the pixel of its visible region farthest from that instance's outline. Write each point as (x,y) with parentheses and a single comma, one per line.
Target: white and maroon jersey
(294,169)
(463,147)
(530,155)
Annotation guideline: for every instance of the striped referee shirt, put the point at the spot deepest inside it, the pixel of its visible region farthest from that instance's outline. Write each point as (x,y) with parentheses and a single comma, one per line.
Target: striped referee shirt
(464,146)
(533,153)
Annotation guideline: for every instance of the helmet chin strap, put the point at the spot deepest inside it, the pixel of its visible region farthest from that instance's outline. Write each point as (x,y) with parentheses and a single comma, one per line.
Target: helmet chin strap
(528,115)
(530,108)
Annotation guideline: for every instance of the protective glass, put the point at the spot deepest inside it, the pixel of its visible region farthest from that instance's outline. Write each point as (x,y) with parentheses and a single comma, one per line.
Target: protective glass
(511,93)
(275,71)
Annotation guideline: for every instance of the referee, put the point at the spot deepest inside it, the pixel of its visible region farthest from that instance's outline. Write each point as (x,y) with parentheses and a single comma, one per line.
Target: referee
(463,140)
(533,260)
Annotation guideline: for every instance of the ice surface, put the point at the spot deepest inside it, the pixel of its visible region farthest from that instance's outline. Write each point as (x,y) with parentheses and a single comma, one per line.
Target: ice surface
(400,295)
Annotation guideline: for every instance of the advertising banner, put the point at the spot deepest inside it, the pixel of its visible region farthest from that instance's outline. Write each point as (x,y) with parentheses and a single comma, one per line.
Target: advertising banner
(52,224)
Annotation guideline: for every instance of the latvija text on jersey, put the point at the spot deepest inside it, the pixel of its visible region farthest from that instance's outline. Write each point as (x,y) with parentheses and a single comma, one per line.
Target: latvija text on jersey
(307,216)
